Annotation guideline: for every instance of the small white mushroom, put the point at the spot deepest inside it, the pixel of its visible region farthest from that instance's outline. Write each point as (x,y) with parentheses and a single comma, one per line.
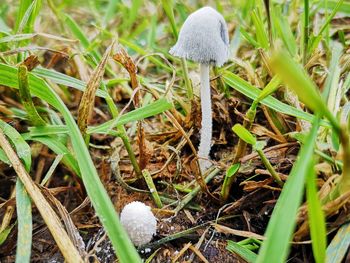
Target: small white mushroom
(139,222)
(204,39)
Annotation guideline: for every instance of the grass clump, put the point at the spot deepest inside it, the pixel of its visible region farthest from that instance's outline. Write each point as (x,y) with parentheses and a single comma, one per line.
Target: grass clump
(95,110)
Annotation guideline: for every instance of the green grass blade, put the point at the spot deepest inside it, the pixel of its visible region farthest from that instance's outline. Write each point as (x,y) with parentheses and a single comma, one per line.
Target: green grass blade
(316,217)
(316,40)
(284,31)
(3,157)
(261,34)
(110,11)
(16,38)
(131,16)
(331,4)
(47,130)
(5,233)
(253,93)
(4,28)
(244,134)
(26,17)
(143,52)
(230,172)
(306,30)
(26,97)
(79,34)
(22,148)
(168,8)
(62,79)
(23,7)
(270,88)
(152,188)
(331,92)
(8,76)
(282,222)
(149,110)
(57,147)
(25,225)
(243,252)
(125,250)
(249,38)
(330,17)
(296,79)
(25,21)
(141,113)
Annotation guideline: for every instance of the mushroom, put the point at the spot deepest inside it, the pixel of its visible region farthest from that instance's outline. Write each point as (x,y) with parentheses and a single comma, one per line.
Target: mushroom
(139,222)
(203,38)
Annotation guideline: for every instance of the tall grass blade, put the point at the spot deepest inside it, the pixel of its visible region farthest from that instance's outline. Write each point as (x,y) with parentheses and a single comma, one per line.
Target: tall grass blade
(282,222)
(316,217)
(332,94)
(261,34)
(79,34)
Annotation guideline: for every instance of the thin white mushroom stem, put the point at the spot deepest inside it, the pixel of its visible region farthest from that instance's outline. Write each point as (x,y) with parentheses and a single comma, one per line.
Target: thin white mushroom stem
(207,121)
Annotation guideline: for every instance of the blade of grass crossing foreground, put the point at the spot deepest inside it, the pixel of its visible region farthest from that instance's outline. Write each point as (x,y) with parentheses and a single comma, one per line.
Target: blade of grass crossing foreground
(282,223)
(316,217)
(125,250)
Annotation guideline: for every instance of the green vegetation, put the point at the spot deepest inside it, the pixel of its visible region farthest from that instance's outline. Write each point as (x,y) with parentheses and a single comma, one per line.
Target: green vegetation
(99,113)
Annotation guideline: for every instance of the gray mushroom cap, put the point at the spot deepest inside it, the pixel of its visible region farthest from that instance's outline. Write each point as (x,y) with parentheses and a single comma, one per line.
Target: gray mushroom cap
(203,38)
